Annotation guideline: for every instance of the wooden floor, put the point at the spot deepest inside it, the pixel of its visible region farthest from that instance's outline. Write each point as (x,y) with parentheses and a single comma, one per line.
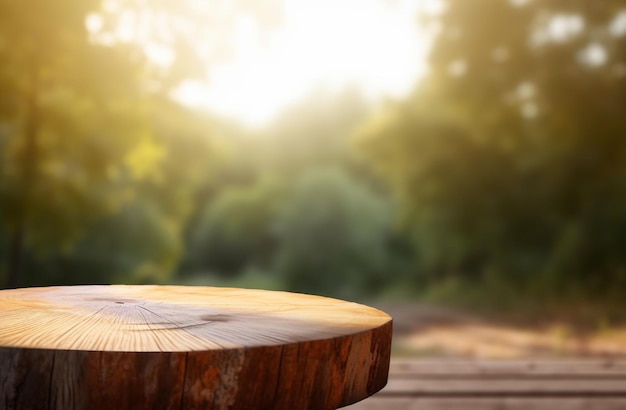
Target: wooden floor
(541,384)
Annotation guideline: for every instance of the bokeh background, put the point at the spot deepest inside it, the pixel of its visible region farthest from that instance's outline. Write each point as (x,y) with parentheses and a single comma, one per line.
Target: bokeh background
(449,152)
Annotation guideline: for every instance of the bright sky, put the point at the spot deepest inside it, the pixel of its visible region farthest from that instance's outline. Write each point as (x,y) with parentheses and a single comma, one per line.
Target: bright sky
(375,45)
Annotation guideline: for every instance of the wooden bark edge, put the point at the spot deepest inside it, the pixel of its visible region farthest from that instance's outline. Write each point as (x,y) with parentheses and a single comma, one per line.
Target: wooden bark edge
(322,374)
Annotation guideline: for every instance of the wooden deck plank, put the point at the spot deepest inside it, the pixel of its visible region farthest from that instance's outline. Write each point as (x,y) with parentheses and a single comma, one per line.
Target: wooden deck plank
(467,384)
(506,387)
(382,403)
(498,367)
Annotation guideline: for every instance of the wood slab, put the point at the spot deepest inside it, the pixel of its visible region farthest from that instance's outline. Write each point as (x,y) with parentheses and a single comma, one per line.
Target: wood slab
(164,347)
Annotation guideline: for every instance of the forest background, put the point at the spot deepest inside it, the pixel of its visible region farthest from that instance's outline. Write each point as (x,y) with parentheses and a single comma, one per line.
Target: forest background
(498,181)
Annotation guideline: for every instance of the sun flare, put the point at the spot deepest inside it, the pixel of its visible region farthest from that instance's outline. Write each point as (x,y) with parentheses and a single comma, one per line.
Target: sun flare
(375,45)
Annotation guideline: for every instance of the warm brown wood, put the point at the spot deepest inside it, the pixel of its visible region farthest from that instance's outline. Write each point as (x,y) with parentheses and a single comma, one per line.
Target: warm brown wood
(467,387)
(479,384)
(490,403)
(517,368)
(176,347)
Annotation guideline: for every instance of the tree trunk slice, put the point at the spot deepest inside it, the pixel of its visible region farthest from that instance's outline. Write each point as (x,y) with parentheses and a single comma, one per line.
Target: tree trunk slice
(163,347)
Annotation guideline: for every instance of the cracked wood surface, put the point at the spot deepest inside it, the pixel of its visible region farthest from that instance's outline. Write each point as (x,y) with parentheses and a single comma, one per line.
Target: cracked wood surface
(172,347)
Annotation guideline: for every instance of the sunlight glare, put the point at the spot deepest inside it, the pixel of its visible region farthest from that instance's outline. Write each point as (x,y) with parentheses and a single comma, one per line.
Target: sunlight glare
(375,45)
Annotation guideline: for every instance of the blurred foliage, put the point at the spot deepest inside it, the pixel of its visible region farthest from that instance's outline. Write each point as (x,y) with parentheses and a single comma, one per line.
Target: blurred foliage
(132,246)
(501,176)
(85,146)
(235,231)
(510,159)
(332,232)
(294,207)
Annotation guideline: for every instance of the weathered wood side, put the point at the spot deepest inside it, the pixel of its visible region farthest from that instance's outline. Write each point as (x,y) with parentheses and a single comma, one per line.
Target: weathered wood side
(25,378)
(318,375)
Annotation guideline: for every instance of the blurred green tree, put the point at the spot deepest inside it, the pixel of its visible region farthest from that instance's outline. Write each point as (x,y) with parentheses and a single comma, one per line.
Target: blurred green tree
(235,231)
(232,230)
(509,158)
(133,245)
(65,123)
(333,233)
(88,132)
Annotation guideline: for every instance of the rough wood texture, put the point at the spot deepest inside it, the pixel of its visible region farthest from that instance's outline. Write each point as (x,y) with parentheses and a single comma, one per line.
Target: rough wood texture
(174,347)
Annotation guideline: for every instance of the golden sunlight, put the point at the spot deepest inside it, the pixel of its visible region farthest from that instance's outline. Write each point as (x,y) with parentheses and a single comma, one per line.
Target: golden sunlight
(376,46)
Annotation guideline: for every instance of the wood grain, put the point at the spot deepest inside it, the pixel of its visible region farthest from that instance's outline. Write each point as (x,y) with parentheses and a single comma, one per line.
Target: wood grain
(176,347)
(501,368)
(499,403)
(481,384)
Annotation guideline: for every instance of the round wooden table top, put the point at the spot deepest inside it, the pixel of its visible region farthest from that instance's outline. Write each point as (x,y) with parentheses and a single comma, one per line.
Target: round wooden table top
(187,347)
